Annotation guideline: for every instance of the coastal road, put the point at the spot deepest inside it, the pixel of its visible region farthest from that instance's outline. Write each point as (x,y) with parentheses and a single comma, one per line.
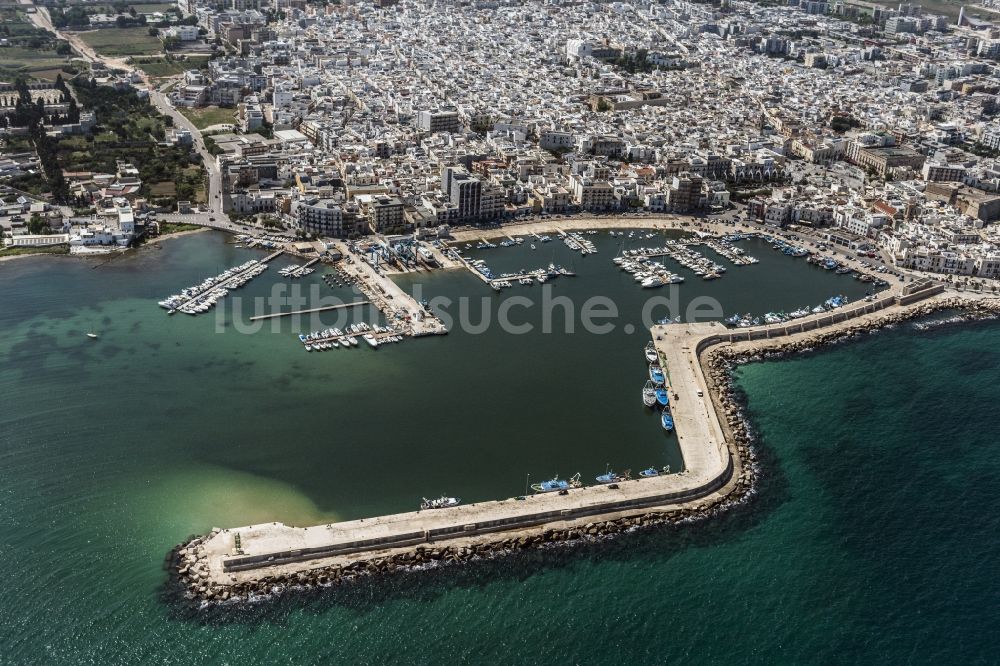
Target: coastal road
(163,105)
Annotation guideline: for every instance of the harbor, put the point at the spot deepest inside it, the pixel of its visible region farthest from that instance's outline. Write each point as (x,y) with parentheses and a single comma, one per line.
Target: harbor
(230,563)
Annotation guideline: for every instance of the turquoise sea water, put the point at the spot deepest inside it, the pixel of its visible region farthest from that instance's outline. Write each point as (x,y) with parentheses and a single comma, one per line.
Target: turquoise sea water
(873,537)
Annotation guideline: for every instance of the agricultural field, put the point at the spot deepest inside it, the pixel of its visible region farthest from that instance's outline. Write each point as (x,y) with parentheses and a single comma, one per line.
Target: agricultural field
(162,68)
(122,41)
(208,116)
(31,51)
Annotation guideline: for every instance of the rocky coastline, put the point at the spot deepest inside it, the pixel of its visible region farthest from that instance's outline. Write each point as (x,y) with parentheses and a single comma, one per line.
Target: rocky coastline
(188,567)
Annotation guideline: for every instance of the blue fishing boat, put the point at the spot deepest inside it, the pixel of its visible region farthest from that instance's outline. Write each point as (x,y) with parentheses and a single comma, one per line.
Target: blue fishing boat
(609,477)
(552,485)
(667,420)
(662,397)
(656,373)
(649,473)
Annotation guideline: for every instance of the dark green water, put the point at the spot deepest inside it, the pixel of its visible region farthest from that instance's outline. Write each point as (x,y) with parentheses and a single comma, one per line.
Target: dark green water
(872,537)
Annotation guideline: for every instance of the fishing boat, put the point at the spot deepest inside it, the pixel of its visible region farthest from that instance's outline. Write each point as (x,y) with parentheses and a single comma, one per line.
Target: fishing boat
(609,477)
(667,420)
(552,485)
(662,396)
(442,502)
(649,394)
(649,473)
(656,373)
(92,336)
(651,352)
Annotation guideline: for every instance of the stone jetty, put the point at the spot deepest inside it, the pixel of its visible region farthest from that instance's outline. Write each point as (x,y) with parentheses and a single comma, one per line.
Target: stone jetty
(231,565)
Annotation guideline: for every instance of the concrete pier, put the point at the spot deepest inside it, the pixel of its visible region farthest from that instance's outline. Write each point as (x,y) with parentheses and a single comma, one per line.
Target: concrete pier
(310,310)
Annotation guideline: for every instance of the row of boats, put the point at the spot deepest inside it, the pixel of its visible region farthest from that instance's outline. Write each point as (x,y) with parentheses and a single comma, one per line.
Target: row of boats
(332,338)
(338,279)
(576,242)
(748,320)
(202,297)
(655,392)
(266,241)
(523,277)
(737,255)
(650,274)
(632,234)
(633,260)
(555,484)
(510,242)
(295,271)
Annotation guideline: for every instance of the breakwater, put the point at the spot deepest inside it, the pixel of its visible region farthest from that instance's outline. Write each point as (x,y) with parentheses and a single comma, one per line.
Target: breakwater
(198,567)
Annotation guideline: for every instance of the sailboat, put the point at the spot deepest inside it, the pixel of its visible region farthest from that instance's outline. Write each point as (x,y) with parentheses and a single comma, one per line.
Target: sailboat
(649,394)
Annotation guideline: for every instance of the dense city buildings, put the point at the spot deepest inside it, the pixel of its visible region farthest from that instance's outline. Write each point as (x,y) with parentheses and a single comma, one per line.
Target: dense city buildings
(866,122)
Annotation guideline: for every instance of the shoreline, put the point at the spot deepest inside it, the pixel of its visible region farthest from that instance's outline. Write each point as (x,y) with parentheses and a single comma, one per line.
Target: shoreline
(110,253)
(188,568)
(577,223)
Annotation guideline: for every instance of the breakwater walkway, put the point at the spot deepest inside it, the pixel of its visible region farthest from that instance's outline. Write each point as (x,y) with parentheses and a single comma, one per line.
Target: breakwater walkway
(233,563)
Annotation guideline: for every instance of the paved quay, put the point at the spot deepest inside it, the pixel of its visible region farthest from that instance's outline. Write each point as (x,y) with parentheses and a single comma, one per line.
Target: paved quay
(388,296)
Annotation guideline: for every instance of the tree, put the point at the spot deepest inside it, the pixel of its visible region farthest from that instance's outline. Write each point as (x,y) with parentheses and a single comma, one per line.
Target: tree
(36,225)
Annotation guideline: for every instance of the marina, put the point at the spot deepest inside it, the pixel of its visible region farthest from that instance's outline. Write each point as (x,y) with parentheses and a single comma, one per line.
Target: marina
(203,297)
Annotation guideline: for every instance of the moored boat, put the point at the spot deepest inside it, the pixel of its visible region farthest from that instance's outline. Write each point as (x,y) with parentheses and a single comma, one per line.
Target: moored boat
(656,373)
(662,396)
(667,421)
(651,352)
(442,502)
(649,394)
(609,477)
(552,485)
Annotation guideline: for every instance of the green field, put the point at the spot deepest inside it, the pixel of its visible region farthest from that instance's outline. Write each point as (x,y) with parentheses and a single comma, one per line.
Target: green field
(25,59)
(161,68)
(31,51)
(208,116)
(122,41)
